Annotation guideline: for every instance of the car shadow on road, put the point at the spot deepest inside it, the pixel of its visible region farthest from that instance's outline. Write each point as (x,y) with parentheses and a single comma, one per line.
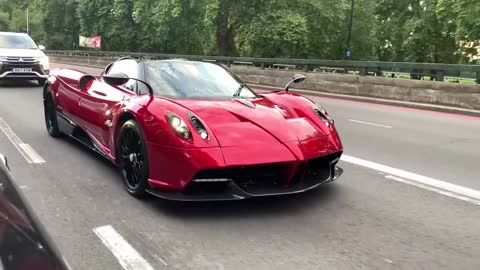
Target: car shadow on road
(19,84)
(267,206)
(247,208)
(88,152)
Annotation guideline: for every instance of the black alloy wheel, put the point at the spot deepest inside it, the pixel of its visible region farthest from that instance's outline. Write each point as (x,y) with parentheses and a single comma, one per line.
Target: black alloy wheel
(132,159)
(50,114)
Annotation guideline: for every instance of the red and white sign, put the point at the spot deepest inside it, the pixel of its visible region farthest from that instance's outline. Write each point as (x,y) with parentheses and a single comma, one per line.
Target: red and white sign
(90,42)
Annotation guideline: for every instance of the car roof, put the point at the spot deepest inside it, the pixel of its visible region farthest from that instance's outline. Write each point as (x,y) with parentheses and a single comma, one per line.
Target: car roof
(12,34)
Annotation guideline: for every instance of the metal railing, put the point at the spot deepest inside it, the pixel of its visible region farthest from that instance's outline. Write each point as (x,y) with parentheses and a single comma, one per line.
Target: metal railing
(437,72)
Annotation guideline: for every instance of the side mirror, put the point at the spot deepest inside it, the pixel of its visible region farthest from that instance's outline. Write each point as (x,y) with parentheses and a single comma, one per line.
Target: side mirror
(298,78)
(116,79)
(107,68)
(41,47)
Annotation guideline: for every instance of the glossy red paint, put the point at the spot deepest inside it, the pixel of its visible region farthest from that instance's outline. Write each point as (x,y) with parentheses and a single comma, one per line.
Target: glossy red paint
(275,128)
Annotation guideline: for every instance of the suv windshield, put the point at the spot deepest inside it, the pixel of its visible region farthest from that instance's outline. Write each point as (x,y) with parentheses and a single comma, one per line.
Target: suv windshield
(179,79)
(16,42)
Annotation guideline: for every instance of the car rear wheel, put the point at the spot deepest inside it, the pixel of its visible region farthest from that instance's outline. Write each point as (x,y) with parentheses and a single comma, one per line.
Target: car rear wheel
(132,159)
(50,114)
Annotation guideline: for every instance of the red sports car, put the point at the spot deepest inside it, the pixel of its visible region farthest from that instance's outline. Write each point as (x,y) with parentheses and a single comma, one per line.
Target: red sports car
(186,130)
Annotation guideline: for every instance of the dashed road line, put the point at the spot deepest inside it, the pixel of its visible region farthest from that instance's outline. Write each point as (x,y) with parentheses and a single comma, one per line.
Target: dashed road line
(126,255)
(368,123)
(428,183)
(160,259)
(30,155)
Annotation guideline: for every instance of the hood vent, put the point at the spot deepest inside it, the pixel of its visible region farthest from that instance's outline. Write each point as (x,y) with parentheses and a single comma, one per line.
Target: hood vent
(246,102)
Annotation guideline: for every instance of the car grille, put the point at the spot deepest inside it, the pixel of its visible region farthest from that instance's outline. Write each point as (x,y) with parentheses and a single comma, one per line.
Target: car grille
(265,179)
(18,59)
(251,179)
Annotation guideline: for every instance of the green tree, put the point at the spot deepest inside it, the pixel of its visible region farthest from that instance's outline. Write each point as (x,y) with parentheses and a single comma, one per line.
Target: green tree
(416,31)
(463,18)
(96,18)
(388,30)
(4,21)
(60,24)
(228,16)
(286,37)
(171,26)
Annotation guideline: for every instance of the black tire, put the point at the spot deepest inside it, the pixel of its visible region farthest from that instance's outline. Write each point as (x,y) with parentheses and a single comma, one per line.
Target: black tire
(132,159)
(41,82)
(50,114)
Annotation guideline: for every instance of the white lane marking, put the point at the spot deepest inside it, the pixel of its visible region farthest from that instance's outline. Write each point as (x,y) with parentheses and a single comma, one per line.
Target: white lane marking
(421,181)
(34,156)
(368,123)
(388,260)
(30,155)
(67,264)
(434,189)
(126,255)
(160,259)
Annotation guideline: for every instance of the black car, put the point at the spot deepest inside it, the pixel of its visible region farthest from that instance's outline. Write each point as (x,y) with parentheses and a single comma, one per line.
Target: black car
(24,244)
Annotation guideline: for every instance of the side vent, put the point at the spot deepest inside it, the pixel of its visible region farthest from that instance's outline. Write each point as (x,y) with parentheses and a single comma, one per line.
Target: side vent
(82,83)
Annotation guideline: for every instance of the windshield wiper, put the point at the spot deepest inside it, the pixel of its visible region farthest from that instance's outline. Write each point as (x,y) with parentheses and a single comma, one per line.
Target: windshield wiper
(239,90)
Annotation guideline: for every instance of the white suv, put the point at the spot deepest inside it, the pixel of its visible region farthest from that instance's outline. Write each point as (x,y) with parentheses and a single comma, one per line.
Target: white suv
(22,59)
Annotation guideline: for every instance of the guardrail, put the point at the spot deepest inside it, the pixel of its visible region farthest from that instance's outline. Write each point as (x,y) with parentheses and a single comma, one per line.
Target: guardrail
(437,72)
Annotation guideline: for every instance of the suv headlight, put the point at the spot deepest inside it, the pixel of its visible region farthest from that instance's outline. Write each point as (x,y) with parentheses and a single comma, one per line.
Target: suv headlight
(44,62)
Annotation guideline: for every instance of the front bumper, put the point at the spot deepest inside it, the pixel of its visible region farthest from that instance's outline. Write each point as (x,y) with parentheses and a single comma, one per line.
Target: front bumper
(37,71)
(229,184)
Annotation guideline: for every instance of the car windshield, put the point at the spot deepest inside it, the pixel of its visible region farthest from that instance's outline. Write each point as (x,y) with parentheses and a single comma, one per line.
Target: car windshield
(182,79)
(16,42)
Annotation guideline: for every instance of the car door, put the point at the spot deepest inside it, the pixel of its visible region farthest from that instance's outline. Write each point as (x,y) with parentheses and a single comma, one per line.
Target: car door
(97,101)
(68,96)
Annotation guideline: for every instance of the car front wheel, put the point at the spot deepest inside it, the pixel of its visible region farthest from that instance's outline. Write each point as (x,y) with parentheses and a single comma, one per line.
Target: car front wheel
(132,159)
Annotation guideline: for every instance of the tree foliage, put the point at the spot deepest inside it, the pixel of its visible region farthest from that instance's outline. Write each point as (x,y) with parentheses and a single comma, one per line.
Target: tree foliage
(387,30)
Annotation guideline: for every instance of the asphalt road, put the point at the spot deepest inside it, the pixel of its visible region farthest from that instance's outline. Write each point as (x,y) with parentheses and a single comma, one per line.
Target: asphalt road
(369,219)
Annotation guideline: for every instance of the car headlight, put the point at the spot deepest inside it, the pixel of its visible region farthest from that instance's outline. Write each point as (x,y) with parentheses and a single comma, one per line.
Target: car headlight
(199,126)
(323,115)
(179,126)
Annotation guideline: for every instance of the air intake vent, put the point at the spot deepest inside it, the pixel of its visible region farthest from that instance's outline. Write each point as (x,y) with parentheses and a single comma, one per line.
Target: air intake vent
(322,116)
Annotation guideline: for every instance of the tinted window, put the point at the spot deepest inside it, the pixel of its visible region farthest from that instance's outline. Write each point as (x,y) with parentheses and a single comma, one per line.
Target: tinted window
(193,80)
(128,67)
(17,42)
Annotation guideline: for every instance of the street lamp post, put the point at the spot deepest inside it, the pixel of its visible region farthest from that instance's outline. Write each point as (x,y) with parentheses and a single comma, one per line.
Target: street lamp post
(28,32)
(348,52)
